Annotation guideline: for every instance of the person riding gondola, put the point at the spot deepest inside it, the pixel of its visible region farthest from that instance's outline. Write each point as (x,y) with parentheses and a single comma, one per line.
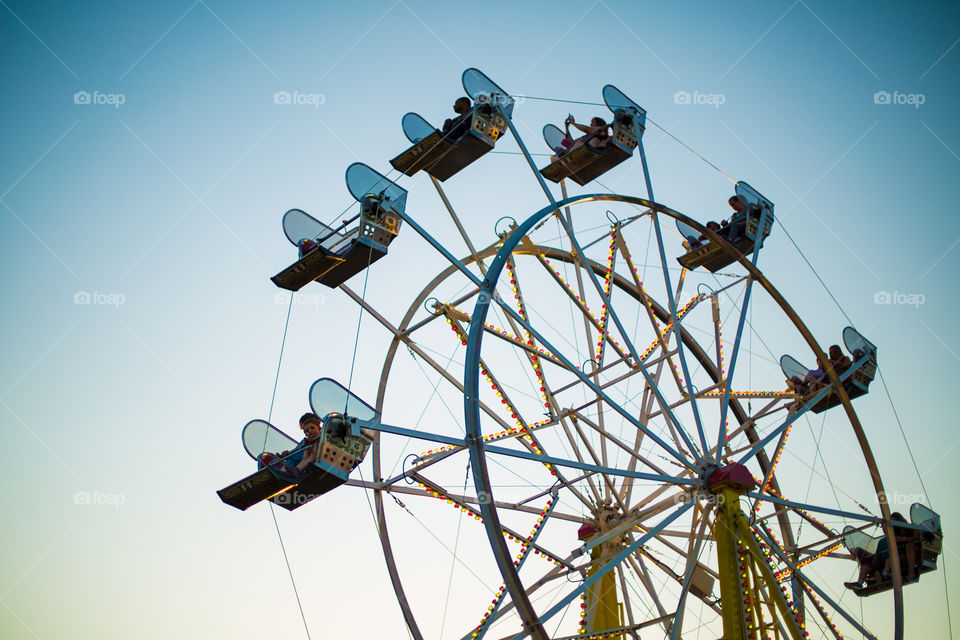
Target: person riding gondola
(697,242)
(909,549)
(877,567)
(304,454)
(733,228)
(597,135)
(838,359)
(454,128)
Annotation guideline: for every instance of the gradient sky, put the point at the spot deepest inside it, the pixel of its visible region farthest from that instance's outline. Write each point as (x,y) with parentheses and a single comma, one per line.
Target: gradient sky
(158,204)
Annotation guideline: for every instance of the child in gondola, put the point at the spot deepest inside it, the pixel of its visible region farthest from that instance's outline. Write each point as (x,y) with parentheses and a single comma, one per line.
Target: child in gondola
(304,454)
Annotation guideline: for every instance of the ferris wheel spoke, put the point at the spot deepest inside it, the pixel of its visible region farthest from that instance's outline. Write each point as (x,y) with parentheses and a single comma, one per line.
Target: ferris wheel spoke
(646,405)
(675,322)
(562,462)
(761,443)
(597,390)
(595,323)
(456,221)
(790,504)
(578,297)
(783,557)
(634,453)
(693,561)
(725,403)
(601,571)
(607,481)
(466,505)
(584,261)
(662,339)
(493,415)
(640,570)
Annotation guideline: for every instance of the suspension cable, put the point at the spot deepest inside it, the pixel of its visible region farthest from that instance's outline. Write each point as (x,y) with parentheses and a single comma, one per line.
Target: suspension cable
(273,513)
(356,339)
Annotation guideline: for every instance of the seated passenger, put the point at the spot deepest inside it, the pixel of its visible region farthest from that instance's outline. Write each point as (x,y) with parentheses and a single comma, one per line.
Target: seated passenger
(733,229)
(909,549)
(454,128)
(811,383)
(696,243)
(597,137)
(870,564)
(295,464)
(838,360)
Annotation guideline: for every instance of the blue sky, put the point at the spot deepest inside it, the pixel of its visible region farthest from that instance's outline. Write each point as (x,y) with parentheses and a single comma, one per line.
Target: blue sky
(145,171)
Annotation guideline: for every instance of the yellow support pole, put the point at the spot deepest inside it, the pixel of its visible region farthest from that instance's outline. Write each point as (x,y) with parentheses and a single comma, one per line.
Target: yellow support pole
(602,607)
(743,565)
(732,580)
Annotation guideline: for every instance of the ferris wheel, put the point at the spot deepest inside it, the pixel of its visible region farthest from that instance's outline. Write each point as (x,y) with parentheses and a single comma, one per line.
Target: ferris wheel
(584,419)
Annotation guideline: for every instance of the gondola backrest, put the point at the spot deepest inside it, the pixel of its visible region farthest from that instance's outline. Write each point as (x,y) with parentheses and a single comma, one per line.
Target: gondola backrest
(854,539)
(858,346)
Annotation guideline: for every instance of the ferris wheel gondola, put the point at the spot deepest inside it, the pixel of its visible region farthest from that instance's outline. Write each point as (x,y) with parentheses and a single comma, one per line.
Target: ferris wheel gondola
(340,449)
(923,534)
(474,133)
(715,248)
(332,256)
(585,160)
(813,386)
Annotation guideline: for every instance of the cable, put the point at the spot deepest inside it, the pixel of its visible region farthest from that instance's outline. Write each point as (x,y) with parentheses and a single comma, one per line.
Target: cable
(453,565)
(289,570)
(356,340)
(824,284)
(273,514)
(905,441)
(280,360)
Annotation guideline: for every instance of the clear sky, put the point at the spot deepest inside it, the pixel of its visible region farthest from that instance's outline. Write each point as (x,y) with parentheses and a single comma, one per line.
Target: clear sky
(147,163)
